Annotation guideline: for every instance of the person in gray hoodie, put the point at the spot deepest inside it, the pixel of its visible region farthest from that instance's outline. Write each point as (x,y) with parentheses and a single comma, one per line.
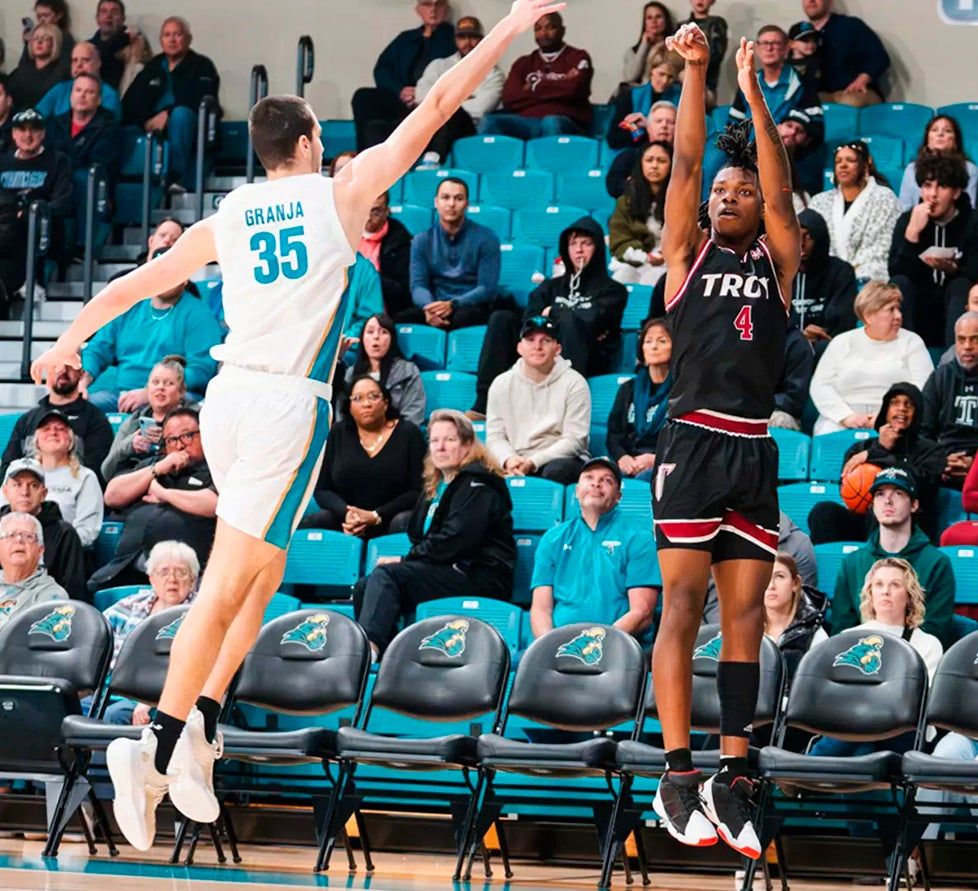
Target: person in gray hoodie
(23,580)
(539,412)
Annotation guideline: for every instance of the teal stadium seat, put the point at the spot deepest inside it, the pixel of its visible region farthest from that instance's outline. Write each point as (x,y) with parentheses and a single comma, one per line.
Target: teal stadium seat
(488,154)
(397,544)
(323,558)
(422,340)
(526,549)
(8,421)
(584,188)
(279,605)
(543,225)
(828,450)
(538,504)
(128,203)
(889,152)
(966,114)
(107,542)
(480,430)
(627,350)
(498,219)
(904,120)
(598,439)
(515,189)
(841,122)
(607,154)
(395,192)
(448,389)
(797,499)
(339,136)
(604,388)
(505,617)
(233,148)
(414,217)
(108,596)
(464,346)
(601,116)
(964,564)
(794,449)
(950,509)
(637,307)
(828,557)
(518,264)
(562,154)
(420,185)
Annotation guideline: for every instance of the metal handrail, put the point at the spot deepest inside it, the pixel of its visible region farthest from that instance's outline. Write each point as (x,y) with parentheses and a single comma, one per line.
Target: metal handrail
(305,64)
(207,113)
(38,239)
(96,200)
(259,90)
(152,168)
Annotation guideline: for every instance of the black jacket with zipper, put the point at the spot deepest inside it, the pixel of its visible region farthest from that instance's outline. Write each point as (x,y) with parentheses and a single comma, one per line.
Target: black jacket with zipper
(395,267)
(194,77)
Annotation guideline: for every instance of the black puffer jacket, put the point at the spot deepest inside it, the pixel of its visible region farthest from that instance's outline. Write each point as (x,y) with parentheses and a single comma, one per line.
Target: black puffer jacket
(395,267)
(192,79)
(825,290)
(797,637)
(471,529)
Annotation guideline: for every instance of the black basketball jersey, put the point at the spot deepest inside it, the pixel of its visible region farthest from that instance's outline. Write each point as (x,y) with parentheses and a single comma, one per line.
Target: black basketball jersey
(728,322)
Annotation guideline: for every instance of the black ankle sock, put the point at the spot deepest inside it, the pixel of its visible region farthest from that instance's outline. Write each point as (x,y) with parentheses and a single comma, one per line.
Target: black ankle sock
(731,767)
(679,760)
(167,730)
(211,710)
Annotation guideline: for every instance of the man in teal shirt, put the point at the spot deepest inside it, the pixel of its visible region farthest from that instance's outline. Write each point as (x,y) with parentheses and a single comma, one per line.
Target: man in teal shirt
(599,567)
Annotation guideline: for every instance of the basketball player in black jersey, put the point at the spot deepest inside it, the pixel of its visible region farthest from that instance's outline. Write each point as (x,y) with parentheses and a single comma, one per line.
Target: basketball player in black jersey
(714,495)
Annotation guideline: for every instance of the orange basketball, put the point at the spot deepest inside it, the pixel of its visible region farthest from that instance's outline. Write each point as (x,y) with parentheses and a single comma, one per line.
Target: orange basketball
(855,487)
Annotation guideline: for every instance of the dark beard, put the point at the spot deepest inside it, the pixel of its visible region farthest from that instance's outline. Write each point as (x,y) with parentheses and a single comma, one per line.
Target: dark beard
(64,389)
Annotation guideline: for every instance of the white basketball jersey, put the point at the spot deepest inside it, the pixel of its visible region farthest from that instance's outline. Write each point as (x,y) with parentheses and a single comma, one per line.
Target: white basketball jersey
(283,256)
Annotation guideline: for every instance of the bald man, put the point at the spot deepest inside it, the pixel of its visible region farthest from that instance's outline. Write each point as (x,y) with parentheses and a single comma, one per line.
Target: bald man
(85,59)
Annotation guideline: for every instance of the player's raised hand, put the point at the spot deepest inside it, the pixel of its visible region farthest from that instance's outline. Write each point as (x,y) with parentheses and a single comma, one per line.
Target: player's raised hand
(47,366)
(526,12)
(690,43)
(746,67)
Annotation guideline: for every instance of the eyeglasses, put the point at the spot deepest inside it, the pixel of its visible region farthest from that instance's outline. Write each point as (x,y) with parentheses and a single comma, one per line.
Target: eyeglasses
(771,44)
(370,398)
(29,537)
(181,438)
(177,572)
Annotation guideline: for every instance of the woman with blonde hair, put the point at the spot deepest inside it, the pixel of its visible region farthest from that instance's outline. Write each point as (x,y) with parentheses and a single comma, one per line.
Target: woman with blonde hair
(633,104)
(859,366)
(40,68)
(461,534)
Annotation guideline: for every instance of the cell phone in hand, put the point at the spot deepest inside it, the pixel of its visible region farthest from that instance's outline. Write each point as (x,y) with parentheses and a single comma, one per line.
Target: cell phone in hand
(27,23)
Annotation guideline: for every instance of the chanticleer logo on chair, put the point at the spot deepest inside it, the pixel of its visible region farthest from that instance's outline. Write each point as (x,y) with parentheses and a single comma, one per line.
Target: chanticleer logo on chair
(866,655)
(310,633)
(56,624)
(450,640)
(168,632)
(958,12)
(710,649)
(587,647)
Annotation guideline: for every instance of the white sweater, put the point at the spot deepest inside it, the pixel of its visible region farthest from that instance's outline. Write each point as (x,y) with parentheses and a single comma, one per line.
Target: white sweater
(855,372)
(927,645)
(540,421)
(78,497)
(485,97)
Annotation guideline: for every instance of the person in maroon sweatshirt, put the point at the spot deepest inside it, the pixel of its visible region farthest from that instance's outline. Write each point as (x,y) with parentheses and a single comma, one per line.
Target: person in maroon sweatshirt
(548,92)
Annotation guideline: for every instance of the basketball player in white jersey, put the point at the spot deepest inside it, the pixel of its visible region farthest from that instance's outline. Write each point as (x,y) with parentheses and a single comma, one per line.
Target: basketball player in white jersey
(283,247)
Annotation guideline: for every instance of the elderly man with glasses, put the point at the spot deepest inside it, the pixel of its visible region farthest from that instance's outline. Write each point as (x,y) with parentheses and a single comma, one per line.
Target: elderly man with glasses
(24,581)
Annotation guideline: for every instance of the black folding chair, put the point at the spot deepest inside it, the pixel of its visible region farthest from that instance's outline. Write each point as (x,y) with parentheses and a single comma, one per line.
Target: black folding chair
(447,669)
(308,662)
(860,686)
(579,678)
(634,758)
(51,654)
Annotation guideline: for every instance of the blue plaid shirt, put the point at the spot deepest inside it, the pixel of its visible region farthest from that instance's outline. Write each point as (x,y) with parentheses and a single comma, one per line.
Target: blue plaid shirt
(128,613)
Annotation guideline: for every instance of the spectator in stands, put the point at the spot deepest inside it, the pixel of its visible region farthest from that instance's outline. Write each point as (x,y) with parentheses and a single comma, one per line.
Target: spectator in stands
(952,747)
(485,99)
(112,39)
(853,60)
(172,323)
(166,94)
(84,60)
(628,122)
(172,568)
(163,237)
(951,403)
(657,25)
(454,265)
(53,12)
(942,136)
(635,227)
(25,493)
(6,115)
(40,68)
(380,357)
(714,28)
(599,566)
(824,290)
(791,393)
(548,92)
(363,298)
(965,532)
(539,412)
(386,243)
(138,437)
(894,505)
(371,474)
(378,110)
(461,534)
(898,443)
(23,581)
(859,366)
(804,51)
(931,283)
(642,403)
(169,495)
(861,212)
(660,126)
(793,612)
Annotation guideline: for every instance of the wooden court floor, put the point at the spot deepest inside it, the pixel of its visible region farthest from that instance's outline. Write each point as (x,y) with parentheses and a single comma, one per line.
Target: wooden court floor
(268,867)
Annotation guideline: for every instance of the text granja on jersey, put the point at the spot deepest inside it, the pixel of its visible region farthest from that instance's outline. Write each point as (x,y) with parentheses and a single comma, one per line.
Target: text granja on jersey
(275,213)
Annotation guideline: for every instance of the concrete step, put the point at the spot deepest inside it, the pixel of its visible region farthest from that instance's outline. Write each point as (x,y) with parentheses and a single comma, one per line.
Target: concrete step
(10,350)
(17,396)
(73,290)
(101,272)
(188,201)
(43,330)
(227,183)
(123,253)
(60,311)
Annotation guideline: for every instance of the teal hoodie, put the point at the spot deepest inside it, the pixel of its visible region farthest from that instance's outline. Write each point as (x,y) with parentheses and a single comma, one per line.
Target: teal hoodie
(933,569)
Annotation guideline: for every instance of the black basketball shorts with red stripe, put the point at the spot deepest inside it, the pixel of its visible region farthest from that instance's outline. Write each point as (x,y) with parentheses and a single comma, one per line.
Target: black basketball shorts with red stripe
(716,487)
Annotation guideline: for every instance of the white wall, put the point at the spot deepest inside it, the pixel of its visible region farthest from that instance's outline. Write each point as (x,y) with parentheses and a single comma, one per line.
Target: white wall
(933,63)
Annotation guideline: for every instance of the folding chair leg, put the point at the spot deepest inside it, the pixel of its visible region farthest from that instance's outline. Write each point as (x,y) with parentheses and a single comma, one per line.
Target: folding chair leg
(782,863)
(229,832)
(615,836)
(348,847)
(89,838)
(329,833)
(924,868)
(468,825)
(214,829)
(74,791)
(503,849)
(181,837)
(368,863)
(102,821)
(643,860)
(486,859)
(626,866)
(192,850)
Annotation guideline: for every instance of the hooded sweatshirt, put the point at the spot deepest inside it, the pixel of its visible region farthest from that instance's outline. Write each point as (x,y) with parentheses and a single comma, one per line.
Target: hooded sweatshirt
(950,414)
(538,420)
(825,290)
(933,569)
(37,588)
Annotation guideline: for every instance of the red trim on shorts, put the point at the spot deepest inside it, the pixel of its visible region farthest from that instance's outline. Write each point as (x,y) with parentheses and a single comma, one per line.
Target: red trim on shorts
(688,530)
(689,275)
(738,524)
(725,423)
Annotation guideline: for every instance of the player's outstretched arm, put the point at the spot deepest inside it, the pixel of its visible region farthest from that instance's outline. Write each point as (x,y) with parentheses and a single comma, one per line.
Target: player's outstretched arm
(681,234)
(774,172)
(194,249)
(378,168)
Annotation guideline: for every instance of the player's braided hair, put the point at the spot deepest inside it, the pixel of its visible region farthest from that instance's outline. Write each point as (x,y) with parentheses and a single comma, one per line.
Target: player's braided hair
(736,144)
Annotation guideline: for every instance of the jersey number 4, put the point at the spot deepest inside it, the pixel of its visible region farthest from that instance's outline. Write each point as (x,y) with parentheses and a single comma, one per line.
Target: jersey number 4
(744,323)
(285,255)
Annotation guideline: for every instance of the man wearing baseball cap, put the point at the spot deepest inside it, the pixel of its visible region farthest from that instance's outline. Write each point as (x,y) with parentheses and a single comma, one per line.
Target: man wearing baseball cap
(894,504)
(598,567)
(804,43)
(468,33)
